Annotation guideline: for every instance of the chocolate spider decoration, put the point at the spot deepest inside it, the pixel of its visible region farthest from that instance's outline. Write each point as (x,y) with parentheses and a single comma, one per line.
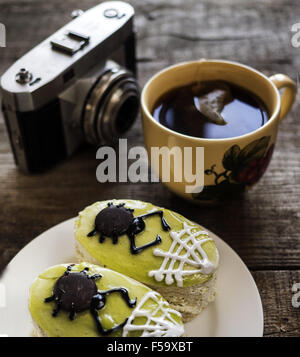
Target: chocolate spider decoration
(114,221)
(77,292)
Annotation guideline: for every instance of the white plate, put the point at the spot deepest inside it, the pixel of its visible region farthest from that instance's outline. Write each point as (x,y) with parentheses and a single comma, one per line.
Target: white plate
(237,310)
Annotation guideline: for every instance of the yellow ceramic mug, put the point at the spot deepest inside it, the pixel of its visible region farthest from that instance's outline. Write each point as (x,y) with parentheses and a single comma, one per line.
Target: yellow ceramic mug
(233,164)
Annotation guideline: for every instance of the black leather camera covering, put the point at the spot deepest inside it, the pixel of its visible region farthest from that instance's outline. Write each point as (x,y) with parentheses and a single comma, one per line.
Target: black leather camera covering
(41,137)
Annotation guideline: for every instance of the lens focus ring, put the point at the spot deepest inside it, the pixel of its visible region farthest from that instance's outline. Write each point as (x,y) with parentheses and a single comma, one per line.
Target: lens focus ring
(111,107)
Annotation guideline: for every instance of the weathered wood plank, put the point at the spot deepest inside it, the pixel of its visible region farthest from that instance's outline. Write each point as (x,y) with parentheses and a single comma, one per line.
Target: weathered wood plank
(266,219)
(263,227)
(282,319)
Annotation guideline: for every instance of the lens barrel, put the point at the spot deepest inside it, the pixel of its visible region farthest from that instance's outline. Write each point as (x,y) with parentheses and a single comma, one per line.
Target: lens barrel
(111,106)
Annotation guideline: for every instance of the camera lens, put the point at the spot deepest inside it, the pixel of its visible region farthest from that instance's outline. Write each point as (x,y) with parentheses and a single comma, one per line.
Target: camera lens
(126,115)
(111,106)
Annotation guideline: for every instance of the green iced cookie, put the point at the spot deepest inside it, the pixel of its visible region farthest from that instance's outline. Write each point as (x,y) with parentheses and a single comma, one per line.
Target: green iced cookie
(85,300)
(153,245)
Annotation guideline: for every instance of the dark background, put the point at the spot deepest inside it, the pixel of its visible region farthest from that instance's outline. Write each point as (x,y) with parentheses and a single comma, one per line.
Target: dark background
(263,227)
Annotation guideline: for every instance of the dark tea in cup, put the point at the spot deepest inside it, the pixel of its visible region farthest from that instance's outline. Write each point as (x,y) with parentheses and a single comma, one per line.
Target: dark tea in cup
(210,109)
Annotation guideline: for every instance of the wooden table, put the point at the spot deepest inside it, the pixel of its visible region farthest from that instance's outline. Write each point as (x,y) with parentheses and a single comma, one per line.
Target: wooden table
(263,227)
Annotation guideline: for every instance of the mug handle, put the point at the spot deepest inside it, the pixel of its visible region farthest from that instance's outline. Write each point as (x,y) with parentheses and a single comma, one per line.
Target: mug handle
(289,93)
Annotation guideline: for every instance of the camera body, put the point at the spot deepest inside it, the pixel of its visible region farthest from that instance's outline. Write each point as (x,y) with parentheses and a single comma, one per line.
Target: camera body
(76,86)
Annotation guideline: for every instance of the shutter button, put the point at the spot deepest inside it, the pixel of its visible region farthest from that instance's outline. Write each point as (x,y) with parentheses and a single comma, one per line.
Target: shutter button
(111,13)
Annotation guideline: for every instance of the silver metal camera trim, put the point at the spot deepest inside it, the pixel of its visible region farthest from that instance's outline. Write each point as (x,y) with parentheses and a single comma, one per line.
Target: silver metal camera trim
(46,70)
(112,78)
(116,101)
(91,106)
(104,38)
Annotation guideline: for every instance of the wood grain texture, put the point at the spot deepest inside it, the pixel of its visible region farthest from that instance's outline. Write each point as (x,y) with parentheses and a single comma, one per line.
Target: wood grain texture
(281,317)
(263,227)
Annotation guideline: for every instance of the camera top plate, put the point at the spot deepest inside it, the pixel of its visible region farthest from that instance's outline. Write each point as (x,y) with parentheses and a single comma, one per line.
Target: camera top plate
(67,54)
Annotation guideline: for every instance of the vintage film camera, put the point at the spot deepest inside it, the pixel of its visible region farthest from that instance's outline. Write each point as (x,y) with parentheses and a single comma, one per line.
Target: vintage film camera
(76,86)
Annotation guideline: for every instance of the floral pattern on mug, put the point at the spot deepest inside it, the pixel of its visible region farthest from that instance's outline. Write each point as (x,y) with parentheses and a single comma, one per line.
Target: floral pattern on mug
(243,168)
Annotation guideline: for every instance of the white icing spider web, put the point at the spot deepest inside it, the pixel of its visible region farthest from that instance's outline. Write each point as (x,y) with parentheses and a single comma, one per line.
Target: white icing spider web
(194,256)
(159,323)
